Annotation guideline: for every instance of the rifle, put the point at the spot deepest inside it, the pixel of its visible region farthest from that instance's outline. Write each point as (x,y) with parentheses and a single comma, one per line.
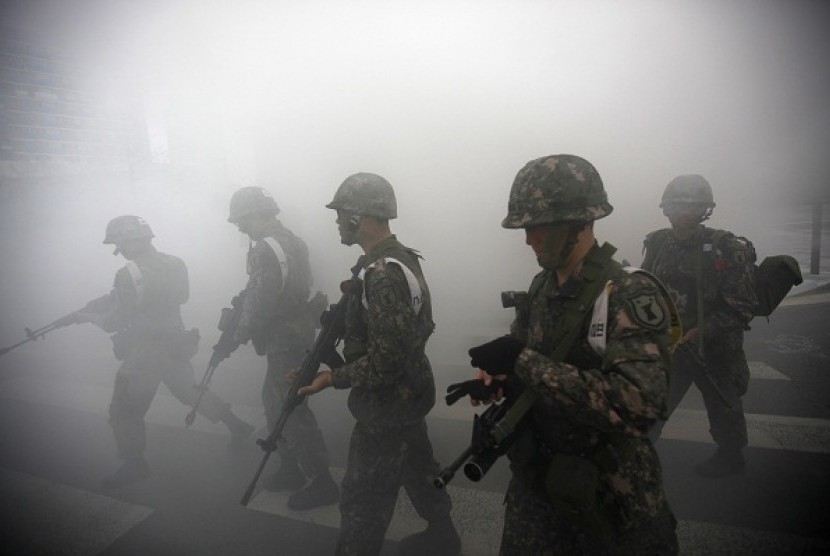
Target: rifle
(66,320)
(700,361)
(228,323)
(493,434)
(333,323)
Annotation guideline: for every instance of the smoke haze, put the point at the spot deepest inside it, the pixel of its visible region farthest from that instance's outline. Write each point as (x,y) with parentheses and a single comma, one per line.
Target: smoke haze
(447,100)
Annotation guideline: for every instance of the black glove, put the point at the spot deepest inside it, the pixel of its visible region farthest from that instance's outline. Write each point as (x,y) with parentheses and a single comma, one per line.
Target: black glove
(478,391)
(497,357)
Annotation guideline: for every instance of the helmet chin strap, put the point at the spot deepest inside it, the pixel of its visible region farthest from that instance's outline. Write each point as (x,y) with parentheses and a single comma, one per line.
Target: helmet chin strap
(557,261)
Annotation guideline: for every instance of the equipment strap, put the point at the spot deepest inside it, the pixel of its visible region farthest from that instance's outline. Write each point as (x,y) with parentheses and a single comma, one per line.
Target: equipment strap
(414,284)
(282,260)
(137,279)
(595,271)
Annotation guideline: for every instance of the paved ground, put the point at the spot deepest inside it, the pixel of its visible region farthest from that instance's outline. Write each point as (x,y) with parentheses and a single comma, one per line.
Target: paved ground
(55,446)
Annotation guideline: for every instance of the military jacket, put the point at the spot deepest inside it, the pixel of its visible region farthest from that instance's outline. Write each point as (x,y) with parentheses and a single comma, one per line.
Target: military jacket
(727,272)
(274,314)
(592,401)
(147,297)
(386,333)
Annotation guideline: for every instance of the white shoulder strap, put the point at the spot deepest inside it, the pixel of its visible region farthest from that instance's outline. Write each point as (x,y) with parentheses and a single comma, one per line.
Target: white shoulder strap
(411,280)
(598,331)
(137,279)
(281,258)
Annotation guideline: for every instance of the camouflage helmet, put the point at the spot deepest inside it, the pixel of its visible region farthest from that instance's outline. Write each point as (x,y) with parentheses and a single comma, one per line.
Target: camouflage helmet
(251,200)
(557,188)
(367,195)
(688,189)
(127,227)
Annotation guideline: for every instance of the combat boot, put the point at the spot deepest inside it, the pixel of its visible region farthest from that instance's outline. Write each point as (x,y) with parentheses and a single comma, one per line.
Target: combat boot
(724,462)
(133,470)
(289,477)
(321,491)
(438,539)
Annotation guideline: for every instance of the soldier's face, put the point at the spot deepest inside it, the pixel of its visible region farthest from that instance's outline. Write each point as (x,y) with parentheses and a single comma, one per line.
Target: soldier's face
(251,226)
(548,243)
(684,216)
(348,225)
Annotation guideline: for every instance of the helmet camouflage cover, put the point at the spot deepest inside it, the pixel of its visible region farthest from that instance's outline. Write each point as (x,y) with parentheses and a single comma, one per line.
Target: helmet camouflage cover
(688,189)
(251,200)
(127,227)
(366,195)
(557,188)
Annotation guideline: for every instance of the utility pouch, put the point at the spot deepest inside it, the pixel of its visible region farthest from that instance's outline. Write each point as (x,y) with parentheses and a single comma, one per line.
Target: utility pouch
(572,482)
(188,344)
(122,343)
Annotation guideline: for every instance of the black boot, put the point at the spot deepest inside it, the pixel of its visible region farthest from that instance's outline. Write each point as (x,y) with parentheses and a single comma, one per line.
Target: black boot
(724,462)
(133,470)
(289,477)
(239,429)
(321,491)
(438,539)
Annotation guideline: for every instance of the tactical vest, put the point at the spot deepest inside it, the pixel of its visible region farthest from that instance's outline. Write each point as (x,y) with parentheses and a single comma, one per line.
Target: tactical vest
(406,259)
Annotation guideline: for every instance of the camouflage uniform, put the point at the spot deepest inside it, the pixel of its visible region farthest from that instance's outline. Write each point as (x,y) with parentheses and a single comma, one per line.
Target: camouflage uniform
(276,317)
(392,390)
(585,403)
(593,407)
(151,341)
(728,301)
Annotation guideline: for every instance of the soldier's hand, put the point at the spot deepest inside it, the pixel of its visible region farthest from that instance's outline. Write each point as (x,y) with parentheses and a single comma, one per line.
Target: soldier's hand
(690,336)
(320,382)
(494,394)
(498,356)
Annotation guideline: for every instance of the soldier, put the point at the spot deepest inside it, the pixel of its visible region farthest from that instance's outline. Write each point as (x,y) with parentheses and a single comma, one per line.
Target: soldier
(143,310)
(279,319)
(590,353)
(708,272)
(392,386)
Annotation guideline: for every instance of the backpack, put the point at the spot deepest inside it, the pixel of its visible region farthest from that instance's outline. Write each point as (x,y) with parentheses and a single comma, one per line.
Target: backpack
(772,279)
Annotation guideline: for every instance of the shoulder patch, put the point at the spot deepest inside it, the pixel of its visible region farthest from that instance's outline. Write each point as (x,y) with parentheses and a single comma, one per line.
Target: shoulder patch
(386,296)
(645,309)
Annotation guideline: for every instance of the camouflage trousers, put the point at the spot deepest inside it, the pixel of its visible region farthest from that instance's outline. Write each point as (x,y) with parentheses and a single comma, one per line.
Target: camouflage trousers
(136,383)
(532,525)
(722,380)
(379,464)
(303,439)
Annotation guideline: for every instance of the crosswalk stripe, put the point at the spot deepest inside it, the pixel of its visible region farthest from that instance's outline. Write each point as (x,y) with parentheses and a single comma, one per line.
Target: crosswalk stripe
(758,370)
(77,521)
(764,431)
